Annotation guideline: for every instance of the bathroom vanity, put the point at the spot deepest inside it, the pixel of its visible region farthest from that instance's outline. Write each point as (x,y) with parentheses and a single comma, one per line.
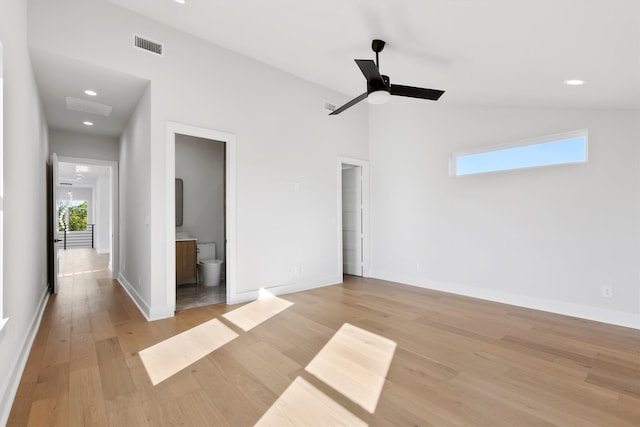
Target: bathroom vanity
(186,264)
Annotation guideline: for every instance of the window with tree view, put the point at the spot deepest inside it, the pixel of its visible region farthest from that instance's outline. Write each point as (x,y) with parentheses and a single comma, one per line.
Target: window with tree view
(72,215)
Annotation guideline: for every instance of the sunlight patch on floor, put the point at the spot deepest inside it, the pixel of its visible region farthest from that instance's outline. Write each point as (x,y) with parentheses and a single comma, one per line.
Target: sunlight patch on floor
(79,273)
(355,362)
(304,405)
(251,315)
(170,356)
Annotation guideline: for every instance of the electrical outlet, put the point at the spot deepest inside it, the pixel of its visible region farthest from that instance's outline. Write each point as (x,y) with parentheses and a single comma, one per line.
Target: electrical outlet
(296,270)
(419,266)
(607,292)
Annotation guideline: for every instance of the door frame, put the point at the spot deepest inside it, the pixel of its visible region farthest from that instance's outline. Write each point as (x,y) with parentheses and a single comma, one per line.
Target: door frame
(229,139)
(114,256)
(54,257)
(366,224)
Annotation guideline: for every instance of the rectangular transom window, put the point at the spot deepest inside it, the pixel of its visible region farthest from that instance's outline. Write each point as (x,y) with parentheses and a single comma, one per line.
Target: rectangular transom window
(557,149)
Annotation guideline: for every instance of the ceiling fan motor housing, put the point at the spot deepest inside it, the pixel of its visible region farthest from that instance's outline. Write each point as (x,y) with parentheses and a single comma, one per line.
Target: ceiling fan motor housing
(376,85)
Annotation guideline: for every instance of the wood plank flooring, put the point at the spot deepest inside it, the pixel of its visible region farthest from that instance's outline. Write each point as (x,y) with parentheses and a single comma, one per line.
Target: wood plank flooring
(458,361)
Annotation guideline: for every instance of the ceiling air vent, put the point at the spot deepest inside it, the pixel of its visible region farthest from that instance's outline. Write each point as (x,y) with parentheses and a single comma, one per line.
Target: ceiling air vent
(329,107)
(77,104)
(147,44)
(66,183)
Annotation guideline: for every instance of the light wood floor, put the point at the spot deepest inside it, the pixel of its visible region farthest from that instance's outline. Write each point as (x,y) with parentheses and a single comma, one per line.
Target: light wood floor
(458,362)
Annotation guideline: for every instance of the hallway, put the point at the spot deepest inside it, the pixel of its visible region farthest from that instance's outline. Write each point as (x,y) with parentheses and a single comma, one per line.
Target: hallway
(75,262)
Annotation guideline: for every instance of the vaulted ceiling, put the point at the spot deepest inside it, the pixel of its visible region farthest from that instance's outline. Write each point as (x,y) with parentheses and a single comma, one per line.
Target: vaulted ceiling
(506,52)
(492,52)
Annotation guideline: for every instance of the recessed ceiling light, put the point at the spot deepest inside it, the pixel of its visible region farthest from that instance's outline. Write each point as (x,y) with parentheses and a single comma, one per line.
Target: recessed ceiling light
(87,123)
(574,82)
(181,1)
(91,92)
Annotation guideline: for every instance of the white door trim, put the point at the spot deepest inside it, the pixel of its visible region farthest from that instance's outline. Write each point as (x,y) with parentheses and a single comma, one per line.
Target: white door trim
(366,224)
(229,139)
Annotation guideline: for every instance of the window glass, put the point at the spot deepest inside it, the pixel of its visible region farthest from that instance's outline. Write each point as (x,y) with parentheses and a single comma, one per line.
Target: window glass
(553,150)
(72,215)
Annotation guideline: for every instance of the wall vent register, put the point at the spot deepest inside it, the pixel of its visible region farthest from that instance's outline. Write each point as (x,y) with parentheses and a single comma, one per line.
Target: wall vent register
(147,44)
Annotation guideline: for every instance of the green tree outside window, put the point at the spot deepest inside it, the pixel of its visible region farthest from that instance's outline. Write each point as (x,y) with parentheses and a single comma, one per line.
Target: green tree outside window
(75,214)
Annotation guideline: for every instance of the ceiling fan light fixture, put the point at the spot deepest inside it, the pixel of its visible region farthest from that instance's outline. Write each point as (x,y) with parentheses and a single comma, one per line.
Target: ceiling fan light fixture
(378,97)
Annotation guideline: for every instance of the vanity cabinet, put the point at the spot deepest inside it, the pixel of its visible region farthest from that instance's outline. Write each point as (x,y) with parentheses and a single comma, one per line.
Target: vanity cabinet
(186,265)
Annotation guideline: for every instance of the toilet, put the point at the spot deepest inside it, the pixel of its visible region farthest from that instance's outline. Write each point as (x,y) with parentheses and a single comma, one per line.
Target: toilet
(209,268)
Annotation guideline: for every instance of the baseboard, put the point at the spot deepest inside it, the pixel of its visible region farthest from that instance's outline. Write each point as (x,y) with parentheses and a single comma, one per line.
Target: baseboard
(10,388)
(240,297)
(135,296)
(149,313)
(157,313)
(597,314)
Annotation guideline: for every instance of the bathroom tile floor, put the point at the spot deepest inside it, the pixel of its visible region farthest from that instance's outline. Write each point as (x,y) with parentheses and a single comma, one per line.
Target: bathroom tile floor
(192,296)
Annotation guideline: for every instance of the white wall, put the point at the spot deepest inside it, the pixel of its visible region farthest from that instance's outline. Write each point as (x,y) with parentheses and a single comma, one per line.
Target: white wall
(102,212)
(73,144)
(283,137)
(25,202)
(200,164)
(134,214)
(548,238)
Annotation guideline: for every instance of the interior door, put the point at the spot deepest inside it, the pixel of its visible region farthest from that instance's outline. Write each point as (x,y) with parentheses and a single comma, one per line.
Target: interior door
(55,263)
(352,220)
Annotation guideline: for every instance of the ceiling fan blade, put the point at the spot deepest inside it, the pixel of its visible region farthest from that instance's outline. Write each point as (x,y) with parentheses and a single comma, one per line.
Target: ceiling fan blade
(369,69)
(416,92)
(351,103)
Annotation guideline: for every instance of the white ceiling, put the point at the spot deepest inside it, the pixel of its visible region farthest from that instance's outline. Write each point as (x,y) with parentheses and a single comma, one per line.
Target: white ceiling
(490,52)
(79,174)
(58,77)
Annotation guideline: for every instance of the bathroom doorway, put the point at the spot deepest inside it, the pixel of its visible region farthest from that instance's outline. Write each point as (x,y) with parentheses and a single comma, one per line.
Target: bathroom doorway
(353,212)
(200,221)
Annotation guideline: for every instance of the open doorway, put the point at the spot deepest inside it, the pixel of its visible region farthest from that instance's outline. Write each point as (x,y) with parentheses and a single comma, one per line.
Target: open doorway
(200,221)
(84,204)
(353,202)
(200,216)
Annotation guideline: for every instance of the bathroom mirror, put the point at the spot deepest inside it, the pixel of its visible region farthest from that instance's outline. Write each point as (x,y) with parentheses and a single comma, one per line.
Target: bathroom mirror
(179,202)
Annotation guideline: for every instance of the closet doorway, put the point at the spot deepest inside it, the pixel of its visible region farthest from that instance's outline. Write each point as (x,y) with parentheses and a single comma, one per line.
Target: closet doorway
(353,202)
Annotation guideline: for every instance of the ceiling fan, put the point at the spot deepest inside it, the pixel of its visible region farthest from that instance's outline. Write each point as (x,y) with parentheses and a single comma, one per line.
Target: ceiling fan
(379,87)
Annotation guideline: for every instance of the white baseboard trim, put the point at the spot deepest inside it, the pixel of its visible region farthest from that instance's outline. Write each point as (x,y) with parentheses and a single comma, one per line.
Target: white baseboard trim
(10,386)
(629,320)
(149,313)
(240,297)
(135,296)
(164,312)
